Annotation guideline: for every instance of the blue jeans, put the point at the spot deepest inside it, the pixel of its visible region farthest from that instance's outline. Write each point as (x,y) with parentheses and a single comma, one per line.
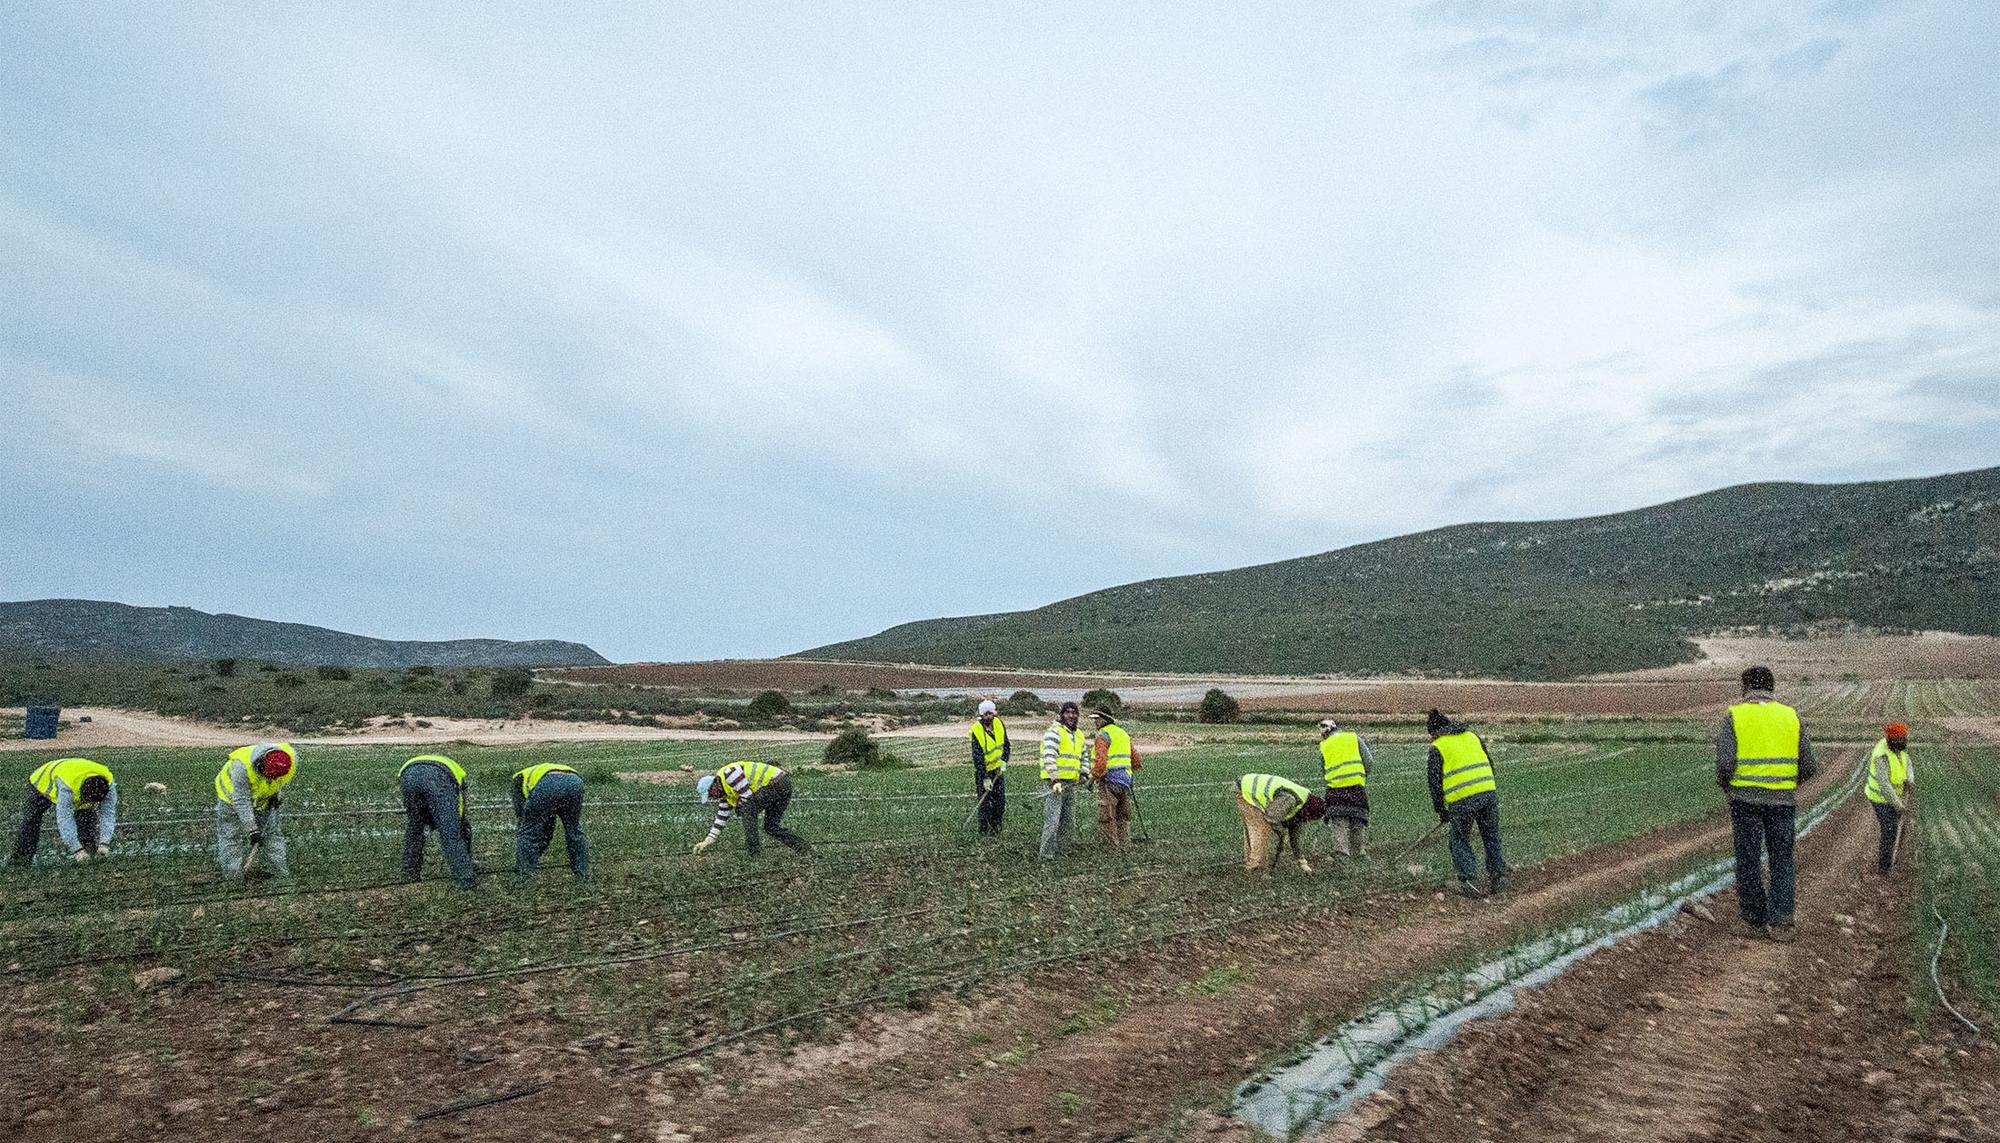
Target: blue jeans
(1482,810)
(1758,829)
(430,802)
(557,797)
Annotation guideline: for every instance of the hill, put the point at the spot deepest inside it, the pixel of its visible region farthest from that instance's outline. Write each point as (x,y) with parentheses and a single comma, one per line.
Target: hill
(95,631)
(1528,600)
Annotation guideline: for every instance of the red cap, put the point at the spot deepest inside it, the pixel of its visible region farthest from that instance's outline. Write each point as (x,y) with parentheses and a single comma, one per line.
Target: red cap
(1315,808)
(1896,730)
(275,764)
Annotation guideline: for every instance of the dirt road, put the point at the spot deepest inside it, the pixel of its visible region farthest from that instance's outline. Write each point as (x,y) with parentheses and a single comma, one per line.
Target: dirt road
(1690,1033)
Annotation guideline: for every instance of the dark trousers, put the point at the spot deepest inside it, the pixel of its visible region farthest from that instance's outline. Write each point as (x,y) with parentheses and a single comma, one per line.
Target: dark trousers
(770,803)
(1484,812)
(430,802)
(28,838)
(1759,829)
(557,797)
(1889,820)
(994,808)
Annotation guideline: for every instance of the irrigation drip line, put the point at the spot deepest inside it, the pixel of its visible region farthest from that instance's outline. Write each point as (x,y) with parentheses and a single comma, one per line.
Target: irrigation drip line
(1944,930)
(488,1101)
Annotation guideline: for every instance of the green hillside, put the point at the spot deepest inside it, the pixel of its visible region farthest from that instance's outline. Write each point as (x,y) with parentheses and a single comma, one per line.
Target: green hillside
(90,630)
(1535,600)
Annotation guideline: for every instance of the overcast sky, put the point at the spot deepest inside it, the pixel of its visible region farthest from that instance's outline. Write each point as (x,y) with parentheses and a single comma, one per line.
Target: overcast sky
(722,330)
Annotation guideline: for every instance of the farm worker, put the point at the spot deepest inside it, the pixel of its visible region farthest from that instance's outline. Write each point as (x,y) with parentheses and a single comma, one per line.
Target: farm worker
(542,794)
(1062,769)
(434,798)
(1113,761)
(1345,759)
(755,788)
(246,806)
(1462,792)
(1270,804)
(990,754)
(85,798)
(1761,756)
(1890,784)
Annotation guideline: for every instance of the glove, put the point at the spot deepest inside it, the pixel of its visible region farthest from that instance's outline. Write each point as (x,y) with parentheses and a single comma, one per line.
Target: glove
(103,850)
(276,801)
(704,843)
(256,837)
(80,856)
(1056,788)
(1305,866)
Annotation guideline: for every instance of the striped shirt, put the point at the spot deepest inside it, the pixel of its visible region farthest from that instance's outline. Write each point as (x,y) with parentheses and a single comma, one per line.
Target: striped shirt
(738,778)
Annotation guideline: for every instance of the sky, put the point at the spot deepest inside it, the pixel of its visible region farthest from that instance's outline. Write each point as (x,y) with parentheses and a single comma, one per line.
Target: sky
(698,331)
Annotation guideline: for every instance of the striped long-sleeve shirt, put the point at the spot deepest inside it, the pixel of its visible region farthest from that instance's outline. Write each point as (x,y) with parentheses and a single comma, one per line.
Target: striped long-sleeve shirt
(738,780)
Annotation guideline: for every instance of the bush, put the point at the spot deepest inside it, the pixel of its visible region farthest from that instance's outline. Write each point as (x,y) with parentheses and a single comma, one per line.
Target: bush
(1099,696)
(334,674)
(509,682)
(853,747)
(769,704)
(429,670)
(1217,706)
(881,694)
(1023,702)
(824,690)
(287,680)
(225,668)
(889,760)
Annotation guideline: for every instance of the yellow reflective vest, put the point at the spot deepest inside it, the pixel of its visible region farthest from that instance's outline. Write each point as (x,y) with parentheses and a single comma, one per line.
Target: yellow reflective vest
(457,773)
(1118,748)
(1259,789)
(760,775)
(1467,769)
(1066,764)
(992,747)
(262,790)
(1340,754)
(531,776)
(71,772)
(1767,746)
(1899,770)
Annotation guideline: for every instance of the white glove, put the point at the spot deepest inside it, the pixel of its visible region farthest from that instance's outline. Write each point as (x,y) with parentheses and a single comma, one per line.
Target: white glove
(704,843)
(1056,788)
(103,850)
(80,856)
(1305,866)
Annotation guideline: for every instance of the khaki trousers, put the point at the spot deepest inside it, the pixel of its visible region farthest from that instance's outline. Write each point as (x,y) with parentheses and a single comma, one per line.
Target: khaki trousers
(1114,815)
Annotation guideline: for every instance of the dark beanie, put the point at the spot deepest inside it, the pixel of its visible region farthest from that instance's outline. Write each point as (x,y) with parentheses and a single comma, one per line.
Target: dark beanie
(1759,679)
(1435,722)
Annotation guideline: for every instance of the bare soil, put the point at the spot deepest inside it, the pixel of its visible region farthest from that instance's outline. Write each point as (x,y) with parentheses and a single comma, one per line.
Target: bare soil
(1923,655)
(806,674)
(1482,698)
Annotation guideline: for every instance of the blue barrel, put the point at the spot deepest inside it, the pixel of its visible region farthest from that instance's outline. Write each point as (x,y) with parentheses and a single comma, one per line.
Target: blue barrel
(41,722)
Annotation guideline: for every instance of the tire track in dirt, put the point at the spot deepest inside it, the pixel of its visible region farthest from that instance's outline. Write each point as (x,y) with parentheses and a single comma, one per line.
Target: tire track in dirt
(1187,1050)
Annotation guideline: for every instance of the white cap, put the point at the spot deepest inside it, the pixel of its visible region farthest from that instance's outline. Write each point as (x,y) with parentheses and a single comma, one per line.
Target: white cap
(702,787)
(1328,724)
(987,707)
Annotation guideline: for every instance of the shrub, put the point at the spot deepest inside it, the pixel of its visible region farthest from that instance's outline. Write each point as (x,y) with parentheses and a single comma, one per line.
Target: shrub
(542,700)
(423,670)
(1217,706)
(824,690)
(881,694)
(335,674)
(769,704)
(1099,696)
(889,760)
(287,680)
(1023,702)
(225,668)
(511,682)
(853,747)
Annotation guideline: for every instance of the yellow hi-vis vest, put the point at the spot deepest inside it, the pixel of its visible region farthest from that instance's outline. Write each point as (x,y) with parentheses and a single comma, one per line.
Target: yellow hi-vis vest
(991,745)
(761,774)
(1899,770)
(1767,745)
(1118,752)
(261,789)
(1467,769)
(70,772)
(1259,789)
(457,773)
(1069,755)
(1341,755)
(531,776)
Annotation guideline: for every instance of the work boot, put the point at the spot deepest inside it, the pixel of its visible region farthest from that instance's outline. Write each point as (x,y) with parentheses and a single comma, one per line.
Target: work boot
(1738,927)
(1784,934)
(1499,884)
(1468,888)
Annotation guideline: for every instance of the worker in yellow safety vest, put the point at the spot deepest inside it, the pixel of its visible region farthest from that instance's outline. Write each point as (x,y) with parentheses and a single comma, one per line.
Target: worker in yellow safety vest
(1345,760)
(756,788)
(1891,784)
(84,796)
(544,794)
(247,797)
(1113,762)
(1062,769)
(433,789)
(1274,809)
(1463,793)
(1762,754)
(990,754)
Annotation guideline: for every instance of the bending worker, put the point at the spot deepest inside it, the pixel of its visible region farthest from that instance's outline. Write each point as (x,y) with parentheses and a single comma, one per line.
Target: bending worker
(1113,762)
(1062,769)
(1463,793)
(990,755)
(84,796)
(756,788)
(1345,758)
(1274,808)
(1890,784)
(542,794)
(246,807)
(1761,756)
(434,798)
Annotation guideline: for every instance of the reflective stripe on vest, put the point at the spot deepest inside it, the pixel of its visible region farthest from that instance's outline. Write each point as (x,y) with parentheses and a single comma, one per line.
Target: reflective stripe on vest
(457,773)
(1767,746)
(1259,789)
(1468,769)
(1069,754)
(761,774)
(71,772)
(1340,754)
(261,789)
(1899,770)
(532,776)
(991,746)
(1118,752)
